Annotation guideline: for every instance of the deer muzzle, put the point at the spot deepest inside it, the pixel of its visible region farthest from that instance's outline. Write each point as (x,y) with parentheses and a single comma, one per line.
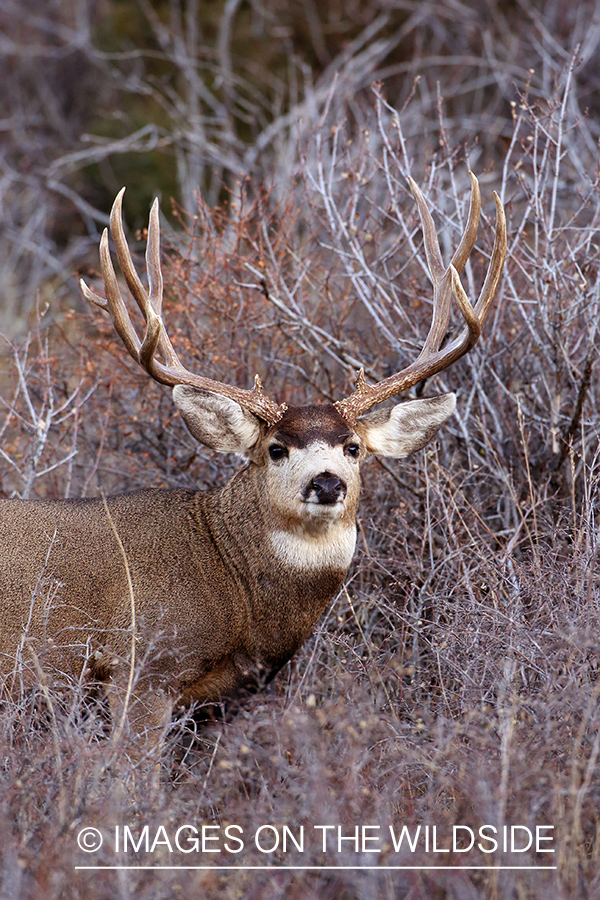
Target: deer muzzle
(326,489)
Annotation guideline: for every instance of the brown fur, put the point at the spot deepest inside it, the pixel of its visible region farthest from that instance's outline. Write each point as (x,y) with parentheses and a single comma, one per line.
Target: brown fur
(227,584)
(301,425)
(215,610)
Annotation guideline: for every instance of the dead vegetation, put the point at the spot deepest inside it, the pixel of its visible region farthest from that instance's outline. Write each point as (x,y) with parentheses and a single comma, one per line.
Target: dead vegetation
(455,679)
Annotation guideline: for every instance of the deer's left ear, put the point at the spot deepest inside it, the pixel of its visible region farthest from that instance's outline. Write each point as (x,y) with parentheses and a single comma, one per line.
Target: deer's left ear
(399,430)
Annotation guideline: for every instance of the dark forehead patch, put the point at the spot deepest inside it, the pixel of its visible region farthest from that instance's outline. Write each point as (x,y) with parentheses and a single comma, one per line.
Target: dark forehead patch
(301,425)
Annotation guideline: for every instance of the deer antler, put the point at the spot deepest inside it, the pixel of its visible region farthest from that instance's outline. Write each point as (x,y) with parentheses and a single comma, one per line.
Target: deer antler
(446,284)
(170,371)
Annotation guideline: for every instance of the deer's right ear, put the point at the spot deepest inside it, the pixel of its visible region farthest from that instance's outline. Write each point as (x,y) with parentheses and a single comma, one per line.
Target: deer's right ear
(217,421)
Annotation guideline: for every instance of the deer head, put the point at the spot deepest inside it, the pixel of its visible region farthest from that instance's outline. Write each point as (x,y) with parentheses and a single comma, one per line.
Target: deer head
(320,485)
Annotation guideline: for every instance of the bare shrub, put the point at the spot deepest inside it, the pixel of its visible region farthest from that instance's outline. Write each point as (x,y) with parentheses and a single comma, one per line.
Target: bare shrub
(455,679)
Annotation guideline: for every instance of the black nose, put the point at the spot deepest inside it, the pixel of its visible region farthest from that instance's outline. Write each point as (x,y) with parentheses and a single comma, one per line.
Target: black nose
(328,488)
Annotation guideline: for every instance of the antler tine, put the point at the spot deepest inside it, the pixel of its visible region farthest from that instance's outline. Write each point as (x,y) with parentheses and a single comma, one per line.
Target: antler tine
(441,278)
(430,238)
(170,372)
(467,242)
(494,272)
(113,303)
(442,295)
(150,304)
(446,284)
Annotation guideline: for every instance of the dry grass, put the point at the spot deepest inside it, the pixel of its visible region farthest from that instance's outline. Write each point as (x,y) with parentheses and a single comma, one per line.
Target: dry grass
(455,679)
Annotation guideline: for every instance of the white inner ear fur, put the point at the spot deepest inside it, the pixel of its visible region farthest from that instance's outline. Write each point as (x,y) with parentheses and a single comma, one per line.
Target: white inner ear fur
(399,430)
(216,421)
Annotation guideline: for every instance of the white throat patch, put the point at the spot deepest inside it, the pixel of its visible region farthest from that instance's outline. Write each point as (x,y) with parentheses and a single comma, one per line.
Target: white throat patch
(330,551)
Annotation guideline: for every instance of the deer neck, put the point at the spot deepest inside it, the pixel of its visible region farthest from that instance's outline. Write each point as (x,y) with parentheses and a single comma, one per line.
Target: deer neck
(287,575)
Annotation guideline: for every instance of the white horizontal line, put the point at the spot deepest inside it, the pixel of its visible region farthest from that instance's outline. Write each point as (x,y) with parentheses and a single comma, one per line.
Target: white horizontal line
(323,868)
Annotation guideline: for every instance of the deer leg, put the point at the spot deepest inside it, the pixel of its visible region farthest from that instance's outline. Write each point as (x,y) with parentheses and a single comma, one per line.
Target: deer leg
(144,714)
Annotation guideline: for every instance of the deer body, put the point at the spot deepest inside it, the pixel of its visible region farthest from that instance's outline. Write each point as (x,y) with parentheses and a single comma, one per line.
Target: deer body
(214,591)
(209,599)
(227,584)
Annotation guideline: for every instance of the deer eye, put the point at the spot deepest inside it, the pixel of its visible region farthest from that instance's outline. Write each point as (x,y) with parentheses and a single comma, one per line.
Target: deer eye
(353,450)
(276,452)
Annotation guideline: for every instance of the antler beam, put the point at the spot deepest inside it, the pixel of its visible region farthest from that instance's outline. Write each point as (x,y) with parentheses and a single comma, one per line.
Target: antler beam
(446,284)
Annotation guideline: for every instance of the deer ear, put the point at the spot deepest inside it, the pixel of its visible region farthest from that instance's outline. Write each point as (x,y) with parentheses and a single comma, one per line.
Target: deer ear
(399,430)
(217,421)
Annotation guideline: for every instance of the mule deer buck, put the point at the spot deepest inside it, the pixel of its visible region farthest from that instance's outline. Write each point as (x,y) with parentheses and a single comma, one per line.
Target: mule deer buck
(221,586)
